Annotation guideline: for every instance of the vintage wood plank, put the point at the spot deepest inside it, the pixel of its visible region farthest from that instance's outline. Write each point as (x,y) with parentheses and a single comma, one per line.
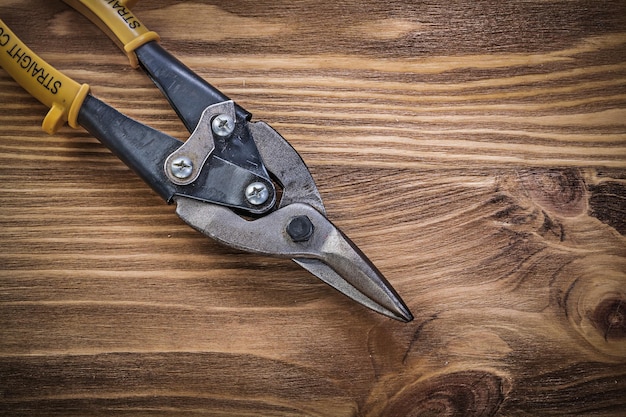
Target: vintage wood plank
(476,151)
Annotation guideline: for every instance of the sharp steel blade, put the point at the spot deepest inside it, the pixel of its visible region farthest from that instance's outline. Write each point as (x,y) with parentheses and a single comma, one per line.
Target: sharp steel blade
(327,253)
(342,265)
(378,294)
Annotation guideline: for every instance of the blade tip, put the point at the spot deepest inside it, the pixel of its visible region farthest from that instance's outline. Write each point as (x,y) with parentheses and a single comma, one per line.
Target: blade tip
(406,316)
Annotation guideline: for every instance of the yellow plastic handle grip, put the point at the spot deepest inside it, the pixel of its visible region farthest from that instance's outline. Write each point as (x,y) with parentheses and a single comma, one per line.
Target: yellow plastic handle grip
(56,90)
(116,20)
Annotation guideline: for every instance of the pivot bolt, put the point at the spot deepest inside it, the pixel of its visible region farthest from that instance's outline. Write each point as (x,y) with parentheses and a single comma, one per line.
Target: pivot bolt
(223,125)
(257,193)
(300,229)
(181,167)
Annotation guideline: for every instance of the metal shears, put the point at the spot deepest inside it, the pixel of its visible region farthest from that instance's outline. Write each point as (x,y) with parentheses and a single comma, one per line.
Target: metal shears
(234,180)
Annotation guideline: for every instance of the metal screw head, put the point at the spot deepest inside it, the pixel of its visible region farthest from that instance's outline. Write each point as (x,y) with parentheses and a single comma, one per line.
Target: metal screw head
(300,229)
(181,167)
(257,193)
(223,125)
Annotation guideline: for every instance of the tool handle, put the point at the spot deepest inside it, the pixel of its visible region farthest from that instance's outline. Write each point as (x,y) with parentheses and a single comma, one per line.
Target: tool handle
(56,90)
(118,22)
(142,148)
(187,93)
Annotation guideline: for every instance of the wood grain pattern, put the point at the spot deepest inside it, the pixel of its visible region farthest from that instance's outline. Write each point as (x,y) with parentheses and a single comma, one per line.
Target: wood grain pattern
(476,151)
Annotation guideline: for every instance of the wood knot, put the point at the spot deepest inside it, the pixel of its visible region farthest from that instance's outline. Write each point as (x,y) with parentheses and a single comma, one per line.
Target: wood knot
(462,393)
(609,318)
(561,192)
(595,302)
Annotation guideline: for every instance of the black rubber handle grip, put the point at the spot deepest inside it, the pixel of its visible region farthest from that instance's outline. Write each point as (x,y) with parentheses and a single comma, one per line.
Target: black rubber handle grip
(187,93)
(141,147)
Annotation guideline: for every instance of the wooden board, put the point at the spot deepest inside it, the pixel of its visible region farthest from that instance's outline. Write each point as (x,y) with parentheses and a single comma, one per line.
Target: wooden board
(475,150)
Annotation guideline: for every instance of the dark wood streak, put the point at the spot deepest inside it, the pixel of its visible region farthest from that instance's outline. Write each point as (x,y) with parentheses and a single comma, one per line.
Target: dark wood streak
(608,204)
(549,393)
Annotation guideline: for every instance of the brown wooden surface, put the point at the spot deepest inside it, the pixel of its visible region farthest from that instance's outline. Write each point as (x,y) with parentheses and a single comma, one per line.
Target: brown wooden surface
(475,150)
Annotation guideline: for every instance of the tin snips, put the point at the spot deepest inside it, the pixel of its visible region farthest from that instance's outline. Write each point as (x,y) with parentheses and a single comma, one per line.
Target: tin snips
(234,180)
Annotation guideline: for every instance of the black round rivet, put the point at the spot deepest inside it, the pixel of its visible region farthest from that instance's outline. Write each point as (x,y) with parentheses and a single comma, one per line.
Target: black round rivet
(300,229)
